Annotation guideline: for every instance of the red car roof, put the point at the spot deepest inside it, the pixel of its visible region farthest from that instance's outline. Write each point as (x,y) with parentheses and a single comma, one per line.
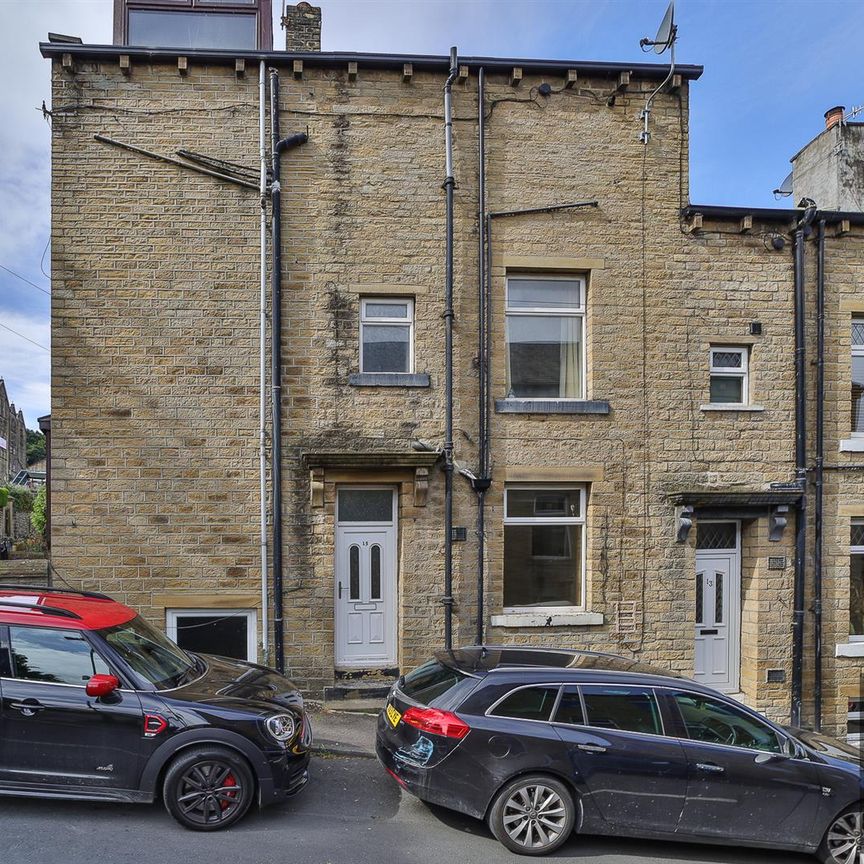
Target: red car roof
(68,610)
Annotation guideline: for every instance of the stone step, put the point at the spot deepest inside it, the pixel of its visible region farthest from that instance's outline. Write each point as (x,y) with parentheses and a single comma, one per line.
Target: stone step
(360,689)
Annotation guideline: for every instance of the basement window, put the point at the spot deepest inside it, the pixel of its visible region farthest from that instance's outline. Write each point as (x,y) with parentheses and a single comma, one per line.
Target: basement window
(194,24)
(729,376)
(544,547)
(225,632)
(386,334)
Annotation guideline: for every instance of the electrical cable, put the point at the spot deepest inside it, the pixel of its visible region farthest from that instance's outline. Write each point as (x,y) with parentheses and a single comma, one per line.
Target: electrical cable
(19,276)
(27,338)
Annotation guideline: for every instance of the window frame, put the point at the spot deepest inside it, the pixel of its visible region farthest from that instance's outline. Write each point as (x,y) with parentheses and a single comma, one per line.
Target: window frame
(855,351)
(726,372)
(263,11)
(251,616)
(580,521)
(854,551)
(579,311)
(388,322)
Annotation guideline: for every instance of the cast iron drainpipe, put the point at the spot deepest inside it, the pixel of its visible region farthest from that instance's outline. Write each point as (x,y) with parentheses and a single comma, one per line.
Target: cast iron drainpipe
(800,464)
(820,474)
(279,146)
(449,183)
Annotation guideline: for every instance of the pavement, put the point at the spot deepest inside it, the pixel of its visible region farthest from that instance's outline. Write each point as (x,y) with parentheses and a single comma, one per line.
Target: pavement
(351,812)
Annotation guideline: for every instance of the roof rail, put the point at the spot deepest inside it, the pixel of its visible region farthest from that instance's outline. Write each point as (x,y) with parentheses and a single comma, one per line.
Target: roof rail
(36,607)
(43,589)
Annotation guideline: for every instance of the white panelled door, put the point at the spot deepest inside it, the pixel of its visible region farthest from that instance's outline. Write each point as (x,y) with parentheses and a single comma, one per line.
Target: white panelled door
(365,578)
(718,606)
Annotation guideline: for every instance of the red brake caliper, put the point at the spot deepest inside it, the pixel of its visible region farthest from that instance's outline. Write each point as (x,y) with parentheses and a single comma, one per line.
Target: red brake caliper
(229,781)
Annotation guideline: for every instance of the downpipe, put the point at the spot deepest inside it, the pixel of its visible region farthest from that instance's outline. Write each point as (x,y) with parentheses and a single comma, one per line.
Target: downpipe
(449,184)
(262,364)
(819,476)
(278,147)
(800,462)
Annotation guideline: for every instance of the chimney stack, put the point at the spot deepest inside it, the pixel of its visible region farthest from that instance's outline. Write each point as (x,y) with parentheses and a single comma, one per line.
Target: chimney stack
(302,26)
(832,116)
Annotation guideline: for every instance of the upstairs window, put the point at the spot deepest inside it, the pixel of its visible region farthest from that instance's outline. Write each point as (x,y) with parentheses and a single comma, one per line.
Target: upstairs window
(386,335)
(858,376)
(194,24)
(545,337)
(729,376)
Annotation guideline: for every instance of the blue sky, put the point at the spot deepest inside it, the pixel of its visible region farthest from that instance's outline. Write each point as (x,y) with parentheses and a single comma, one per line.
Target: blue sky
(772,68)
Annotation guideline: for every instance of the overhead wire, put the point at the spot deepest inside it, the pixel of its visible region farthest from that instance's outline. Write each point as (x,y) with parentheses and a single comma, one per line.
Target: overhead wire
(27,338)
(24,279)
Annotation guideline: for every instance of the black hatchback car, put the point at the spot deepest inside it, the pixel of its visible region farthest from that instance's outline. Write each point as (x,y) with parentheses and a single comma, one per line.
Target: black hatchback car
(96,704)
(541,743)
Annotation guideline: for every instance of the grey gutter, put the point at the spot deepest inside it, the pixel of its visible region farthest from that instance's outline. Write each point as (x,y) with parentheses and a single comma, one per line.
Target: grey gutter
(769,214)
(426,62)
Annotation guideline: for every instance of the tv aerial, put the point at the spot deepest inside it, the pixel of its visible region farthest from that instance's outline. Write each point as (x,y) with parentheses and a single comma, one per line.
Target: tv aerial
(667,36)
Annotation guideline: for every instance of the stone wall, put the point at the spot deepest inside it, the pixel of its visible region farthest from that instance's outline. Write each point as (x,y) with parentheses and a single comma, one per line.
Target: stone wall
(155,363)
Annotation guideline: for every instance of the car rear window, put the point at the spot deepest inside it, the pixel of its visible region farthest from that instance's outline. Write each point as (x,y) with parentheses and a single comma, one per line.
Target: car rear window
(527,703)
(625,709)
(429,681)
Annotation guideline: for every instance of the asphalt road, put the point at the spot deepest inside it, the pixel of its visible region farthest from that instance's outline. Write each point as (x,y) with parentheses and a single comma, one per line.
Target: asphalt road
(350,813)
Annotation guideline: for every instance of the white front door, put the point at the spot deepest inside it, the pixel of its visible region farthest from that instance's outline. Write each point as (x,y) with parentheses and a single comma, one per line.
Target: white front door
(718,607)
(365,578)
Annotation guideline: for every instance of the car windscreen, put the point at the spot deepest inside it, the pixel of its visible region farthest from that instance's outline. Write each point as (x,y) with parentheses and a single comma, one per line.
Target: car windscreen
(430,681)
(151,654)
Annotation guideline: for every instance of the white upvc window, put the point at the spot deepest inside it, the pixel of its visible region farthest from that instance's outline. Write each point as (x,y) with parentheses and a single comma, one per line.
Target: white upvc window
(729,371)
(386,334)
(544,548)
(545,337)
(858,376)
(856,581)
(226,632)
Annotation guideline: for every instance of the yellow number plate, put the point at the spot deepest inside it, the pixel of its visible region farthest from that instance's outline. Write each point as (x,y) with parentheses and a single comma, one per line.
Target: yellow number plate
(393,716)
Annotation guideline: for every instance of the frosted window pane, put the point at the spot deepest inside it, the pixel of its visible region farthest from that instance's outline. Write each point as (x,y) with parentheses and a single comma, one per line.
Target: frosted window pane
(365,505)
(375,553)
(354,568)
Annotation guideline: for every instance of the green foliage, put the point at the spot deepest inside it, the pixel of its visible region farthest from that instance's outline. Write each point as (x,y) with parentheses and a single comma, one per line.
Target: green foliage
(4,497)
(21,497)
(38,515)
(35,446)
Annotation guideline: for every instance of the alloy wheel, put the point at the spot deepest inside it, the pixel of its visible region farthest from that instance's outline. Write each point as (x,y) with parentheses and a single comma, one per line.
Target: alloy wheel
(209,792)
(846,839)
(534,816)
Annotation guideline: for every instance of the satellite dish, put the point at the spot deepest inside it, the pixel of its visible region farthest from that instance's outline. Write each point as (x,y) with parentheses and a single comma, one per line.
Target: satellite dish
(784,190)
(666,34)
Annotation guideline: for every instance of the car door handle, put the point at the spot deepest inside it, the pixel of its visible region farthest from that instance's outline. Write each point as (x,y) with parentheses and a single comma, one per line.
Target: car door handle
(592,748)
(28,708)
(710,768)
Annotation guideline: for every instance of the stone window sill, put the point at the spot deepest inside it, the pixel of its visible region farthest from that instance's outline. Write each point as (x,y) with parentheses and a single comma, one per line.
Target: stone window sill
(731,407)
(552,406)
(850,649)
(852,445)
(547,619)
(389,379)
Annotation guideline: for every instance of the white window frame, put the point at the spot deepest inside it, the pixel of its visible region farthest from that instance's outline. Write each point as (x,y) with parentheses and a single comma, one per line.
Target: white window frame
(855,738)
(251,616)
(388,322)
(725,372)
(856,351)
(544,311)
(580,520)
(859,551)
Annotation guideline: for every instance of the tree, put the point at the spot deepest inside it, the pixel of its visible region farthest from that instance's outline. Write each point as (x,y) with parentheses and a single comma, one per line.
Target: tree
(35,446)
(38,515)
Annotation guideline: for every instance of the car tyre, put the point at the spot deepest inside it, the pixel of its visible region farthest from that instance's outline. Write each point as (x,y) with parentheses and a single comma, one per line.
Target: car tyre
(532,815)
(844,840)
(208,788)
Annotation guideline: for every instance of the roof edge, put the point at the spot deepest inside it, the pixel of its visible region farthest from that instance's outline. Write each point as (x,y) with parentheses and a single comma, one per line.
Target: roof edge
(768,214)
(425,62)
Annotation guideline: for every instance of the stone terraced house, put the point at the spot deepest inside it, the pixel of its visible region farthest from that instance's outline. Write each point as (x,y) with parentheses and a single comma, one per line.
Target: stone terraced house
(642,461)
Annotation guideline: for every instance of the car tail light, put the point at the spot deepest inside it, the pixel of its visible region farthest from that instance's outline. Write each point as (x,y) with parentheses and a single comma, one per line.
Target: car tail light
(437,722)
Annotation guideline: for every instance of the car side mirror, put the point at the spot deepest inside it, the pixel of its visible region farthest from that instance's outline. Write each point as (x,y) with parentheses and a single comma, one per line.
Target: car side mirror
(765,758)
(100,686)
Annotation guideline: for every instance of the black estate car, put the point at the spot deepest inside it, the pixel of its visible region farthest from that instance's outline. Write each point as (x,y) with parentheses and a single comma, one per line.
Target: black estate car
(96,704)
(541,743)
